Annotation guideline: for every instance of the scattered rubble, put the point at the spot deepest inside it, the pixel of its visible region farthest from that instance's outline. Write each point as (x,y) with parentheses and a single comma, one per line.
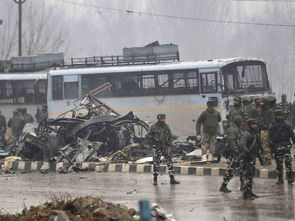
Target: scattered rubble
(80,209)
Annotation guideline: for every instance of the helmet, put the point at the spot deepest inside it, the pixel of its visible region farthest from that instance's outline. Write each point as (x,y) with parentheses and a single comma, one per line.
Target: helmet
(238,120)
(251,121)
(161,116)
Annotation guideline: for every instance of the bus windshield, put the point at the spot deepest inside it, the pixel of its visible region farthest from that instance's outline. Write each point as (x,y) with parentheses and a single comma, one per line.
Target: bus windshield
(245,77)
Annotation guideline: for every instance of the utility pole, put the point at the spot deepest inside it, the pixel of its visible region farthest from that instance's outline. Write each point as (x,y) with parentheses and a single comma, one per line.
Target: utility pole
(20,3)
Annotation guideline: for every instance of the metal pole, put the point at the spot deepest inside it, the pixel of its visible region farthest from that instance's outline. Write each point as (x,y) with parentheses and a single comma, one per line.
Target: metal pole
(20,3)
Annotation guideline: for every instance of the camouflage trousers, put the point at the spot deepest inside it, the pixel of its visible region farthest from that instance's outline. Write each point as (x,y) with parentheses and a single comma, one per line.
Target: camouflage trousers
(208,143)
(166,152)
(283,153)
(247,172)
(264,144)
(233,166)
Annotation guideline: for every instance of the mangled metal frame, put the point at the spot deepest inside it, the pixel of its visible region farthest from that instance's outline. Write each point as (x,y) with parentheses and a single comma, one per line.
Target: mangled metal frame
(100,123)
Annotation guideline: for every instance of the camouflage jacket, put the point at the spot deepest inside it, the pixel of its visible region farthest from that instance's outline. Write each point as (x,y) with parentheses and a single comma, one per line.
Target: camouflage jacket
(159,135)
(280,133)
(249,144)
(233,135)
(267,116)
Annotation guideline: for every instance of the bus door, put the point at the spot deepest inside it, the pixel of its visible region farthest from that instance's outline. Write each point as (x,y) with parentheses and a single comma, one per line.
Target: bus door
(209,86)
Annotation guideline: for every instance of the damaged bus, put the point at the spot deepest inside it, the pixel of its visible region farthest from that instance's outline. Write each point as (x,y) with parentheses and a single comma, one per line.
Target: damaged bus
(180,89)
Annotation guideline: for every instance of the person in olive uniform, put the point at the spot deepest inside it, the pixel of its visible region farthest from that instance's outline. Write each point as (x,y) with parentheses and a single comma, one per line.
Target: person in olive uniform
(287,109)
(41,114)
(250,148)
(160,138)
(233,135)
(254,110)
(266,117)
(2,130)
(280,135)
(15,124)
(238,110)
(209,120)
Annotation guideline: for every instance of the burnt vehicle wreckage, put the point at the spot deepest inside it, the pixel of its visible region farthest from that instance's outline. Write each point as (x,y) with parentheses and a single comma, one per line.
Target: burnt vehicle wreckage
(92,130)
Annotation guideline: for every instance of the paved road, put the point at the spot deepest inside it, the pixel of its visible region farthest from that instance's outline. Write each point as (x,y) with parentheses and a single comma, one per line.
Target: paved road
(197,198)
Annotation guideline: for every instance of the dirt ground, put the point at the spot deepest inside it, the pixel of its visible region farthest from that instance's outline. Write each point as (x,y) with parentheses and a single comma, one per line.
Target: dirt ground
(80,209)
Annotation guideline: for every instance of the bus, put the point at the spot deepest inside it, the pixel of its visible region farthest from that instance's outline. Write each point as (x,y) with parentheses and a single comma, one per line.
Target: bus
(19,89)
(179,89)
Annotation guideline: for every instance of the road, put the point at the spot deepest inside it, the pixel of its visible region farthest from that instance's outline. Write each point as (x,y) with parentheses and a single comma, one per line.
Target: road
(197,197)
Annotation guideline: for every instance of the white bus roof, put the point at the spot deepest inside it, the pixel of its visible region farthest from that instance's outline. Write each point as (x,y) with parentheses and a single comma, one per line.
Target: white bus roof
(181,65)
(23,76)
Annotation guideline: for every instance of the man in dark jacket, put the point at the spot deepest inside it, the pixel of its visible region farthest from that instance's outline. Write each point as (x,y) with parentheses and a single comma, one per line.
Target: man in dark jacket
(280,135)
(160,138)
(232,139)
(250,149)
(209,120)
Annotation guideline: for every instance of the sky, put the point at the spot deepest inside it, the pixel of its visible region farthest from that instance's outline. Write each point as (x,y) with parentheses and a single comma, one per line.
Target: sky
(103,27)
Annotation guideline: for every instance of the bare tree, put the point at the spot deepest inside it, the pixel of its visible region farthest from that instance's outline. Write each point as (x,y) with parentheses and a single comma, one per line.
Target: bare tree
(8,35)
(43,30)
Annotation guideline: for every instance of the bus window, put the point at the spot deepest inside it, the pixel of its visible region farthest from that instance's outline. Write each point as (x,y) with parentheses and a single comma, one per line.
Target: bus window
(71,90)
(245,77)
(90,82)
(185,82)
(162,80)
(209,82)
(127,85)
(57,87)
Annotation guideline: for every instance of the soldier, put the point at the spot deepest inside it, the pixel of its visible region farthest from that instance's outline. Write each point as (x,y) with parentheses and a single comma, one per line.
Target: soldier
(2,123)
(280,133)
(2,130)
(238,110)
(41,114)
(15,124)
(247,101)
(26,117)
(160,138)
(254,110)
(209,119)
(232,139)
(266,117)
(250,148)
(287,109)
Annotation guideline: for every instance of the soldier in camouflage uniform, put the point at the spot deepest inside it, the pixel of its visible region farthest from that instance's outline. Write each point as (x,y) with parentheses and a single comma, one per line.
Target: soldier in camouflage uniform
(160,138)
(238,110)
(250,148)
(280,134)
(232,139)
(287,109)
(266,117)
(209,119)
(15,124)
(2,130)
(254,110)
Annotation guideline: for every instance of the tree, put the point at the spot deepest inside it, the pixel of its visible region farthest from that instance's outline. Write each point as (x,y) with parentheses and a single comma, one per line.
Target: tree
(43,30)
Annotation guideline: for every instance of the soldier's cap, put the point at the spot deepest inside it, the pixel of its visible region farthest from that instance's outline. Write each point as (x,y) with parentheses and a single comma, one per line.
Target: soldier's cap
(161,116)
(210,103)
(237,98)
(251,121)
(278,111)
(257,98)
(44,106)
(283,95)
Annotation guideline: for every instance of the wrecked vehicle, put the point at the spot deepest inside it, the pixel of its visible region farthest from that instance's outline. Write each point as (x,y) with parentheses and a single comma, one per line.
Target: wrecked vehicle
(97,123)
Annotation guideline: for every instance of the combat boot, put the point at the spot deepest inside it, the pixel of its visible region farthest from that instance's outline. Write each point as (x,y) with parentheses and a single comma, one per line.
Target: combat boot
(253,194)
(290,178)
(248,196)
(224,189)
(155,181)
(280,179)
(173,180)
